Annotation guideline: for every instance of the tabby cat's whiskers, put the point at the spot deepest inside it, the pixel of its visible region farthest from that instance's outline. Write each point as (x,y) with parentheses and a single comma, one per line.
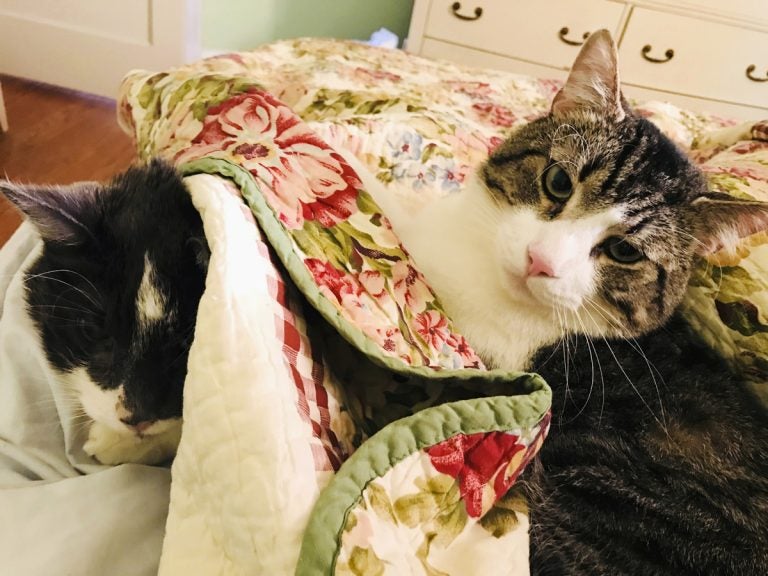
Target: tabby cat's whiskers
(632,341)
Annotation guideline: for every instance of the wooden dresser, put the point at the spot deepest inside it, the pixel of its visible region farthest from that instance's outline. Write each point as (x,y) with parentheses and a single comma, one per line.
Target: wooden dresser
(708,55)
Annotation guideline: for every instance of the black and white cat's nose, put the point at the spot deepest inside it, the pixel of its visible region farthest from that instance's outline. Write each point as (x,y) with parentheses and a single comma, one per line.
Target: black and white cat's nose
(137,425)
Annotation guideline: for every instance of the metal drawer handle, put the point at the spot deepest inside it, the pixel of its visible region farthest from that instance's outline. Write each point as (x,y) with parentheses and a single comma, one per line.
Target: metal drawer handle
(564,32)
(457,6)
(647,48)
(751,68)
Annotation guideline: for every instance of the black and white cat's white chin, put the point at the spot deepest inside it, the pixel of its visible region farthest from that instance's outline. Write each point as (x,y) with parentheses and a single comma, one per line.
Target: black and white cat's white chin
(111,438)
(111,446)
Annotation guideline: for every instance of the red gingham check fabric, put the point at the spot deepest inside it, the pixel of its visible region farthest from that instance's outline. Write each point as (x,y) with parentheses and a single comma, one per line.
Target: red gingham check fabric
(307,371)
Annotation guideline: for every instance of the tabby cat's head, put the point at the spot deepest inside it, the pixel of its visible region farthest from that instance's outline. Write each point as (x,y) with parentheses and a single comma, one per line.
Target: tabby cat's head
(115,290)
(605,213)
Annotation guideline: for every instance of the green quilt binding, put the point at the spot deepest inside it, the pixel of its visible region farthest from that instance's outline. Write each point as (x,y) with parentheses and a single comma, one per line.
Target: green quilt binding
(377,455)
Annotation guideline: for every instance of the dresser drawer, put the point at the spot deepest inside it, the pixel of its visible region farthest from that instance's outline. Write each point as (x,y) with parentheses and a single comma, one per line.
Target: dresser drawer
(695,57)
(479,59)
(523,29)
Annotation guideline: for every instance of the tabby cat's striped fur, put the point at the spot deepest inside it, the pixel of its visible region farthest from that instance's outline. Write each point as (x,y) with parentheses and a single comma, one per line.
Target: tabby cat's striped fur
(569,254)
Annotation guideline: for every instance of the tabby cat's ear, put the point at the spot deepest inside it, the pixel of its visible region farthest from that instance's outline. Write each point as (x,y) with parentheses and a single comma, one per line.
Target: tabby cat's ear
(594,80)
(59,213)
(721,220)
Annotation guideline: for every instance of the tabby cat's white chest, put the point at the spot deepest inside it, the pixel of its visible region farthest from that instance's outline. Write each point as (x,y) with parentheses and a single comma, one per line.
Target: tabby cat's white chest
(454,243)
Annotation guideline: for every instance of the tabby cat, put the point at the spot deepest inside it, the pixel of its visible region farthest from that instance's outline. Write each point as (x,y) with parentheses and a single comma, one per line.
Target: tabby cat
(584,226)
(114,295)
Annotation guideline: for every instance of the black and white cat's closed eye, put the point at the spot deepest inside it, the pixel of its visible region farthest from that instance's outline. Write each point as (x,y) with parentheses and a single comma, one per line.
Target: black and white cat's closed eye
(557,184)
(89,330)
(618,249)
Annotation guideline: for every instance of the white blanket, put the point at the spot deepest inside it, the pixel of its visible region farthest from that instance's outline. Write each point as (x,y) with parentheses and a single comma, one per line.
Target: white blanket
(244,467)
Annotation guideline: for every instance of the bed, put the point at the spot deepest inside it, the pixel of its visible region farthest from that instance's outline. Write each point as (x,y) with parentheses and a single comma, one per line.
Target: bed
(335,422)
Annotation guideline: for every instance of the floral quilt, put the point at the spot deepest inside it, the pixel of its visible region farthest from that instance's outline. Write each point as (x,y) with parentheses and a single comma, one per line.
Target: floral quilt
(416,444)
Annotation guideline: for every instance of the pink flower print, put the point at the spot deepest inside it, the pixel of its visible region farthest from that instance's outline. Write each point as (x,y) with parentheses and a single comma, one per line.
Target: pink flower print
(433,327)
(357,304)
(475,90)
(377,74)
(748,146)
(337,283)
(304,178)
(494,143)
(251,151)
(468,356)
(373,282)
(754,172)
(470,148)
(410,289)
(550,87)
(333,183)
(495,114)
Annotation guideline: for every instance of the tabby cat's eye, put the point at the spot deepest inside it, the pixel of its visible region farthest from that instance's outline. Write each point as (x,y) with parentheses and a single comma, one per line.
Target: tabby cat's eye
(557,184)
(618,249)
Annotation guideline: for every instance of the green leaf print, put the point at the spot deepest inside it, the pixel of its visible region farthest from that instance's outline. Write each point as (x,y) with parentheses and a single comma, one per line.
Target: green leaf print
(415,509)
(178,95)
(379,500)
(743,317)
(450,523)
(351,522)
(445,489)
(423,555)
(502,518)
(448,514)
(147,95)
(315,242)
(364,562)
(733,185)
(734,283)
(366,204)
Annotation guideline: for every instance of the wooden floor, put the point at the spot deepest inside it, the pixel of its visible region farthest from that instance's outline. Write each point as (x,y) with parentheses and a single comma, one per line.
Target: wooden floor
(57,136)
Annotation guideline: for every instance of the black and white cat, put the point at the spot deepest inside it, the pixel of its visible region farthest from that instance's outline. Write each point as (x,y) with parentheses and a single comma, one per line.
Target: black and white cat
(580,232)
(114,295)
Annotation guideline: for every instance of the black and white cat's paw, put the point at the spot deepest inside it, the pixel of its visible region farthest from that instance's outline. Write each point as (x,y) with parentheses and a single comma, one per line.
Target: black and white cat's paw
(111,447)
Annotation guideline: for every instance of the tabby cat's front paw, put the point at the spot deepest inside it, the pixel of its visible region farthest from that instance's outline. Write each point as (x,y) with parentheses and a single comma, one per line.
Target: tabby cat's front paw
(111,447)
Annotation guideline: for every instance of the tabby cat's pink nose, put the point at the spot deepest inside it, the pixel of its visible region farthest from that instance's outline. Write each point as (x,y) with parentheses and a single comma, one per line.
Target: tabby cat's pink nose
(539,264)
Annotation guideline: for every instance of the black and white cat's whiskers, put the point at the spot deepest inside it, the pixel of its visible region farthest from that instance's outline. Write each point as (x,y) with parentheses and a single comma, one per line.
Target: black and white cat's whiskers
(114,294)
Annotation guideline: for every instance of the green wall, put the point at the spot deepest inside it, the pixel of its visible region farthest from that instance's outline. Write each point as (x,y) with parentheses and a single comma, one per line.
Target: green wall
(243,24)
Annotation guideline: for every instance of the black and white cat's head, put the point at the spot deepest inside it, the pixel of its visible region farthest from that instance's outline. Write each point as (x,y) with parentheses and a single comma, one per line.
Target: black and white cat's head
(604,214)
(115,291)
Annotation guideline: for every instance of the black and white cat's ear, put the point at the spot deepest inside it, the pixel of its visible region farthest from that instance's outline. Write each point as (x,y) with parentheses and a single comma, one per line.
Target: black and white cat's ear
(594,80)
(60,213)
(201,251)
(721,220)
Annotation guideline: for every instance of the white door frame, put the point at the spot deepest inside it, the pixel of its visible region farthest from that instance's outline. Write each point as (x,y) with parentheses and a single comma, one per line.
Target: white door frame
(90,58)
